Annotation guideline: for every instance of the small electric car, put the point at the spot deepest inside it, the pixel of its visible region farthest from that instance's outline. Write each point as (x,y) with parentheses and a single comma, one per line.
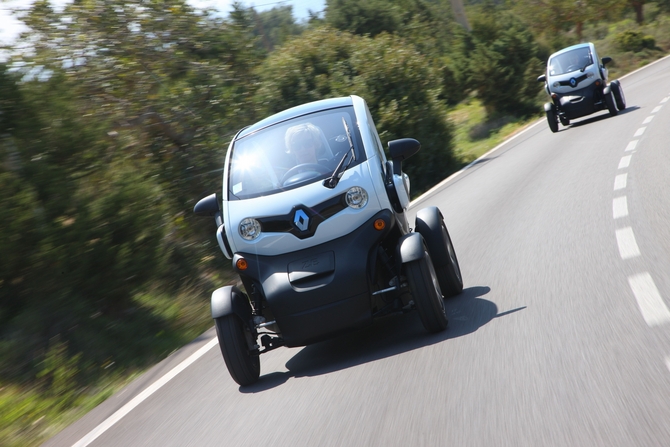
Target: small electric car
(576,81)
(313,217)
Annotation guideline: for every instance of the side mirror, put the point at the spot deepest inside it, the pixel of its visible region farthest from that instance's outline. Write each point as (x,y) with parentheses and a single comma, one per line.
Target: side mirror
(401,150)
(207,206)
(606,60)
(542,78)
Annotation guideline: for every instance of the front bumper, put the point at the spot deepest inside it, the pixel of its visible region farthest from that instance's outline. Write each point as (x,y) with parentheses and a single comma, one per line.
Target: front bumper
(580,102)
(320,291)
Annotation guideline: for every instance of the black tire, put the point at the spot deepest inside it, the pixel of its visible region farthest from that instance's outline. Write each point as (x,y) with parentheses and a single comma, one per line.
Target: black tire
(430,224)
(552,120)
(243,366)
(426,292)
(611,105)
(619,97)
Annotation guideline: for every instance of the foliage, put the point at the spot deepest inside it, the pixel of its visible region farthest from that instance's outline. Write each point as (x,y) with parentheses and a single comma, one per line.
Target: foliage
(634,41)
(501,59)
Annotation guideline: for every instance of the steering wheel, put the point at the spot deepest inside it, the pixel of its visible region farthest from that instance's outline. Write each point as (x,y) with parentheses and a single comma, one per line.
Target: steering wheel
(292,176)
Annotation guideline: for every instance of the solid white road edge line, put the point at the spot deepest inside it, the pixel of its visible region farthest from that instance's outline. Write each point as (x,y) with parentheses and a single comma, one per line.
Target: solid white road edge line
(653,308)
(127,408)
(627,245)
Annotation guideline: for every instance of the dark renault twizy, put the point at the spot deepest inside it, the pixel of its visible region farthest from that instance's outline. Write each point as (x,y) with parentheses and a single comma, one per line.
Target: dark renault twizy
(313,217)
(576,81)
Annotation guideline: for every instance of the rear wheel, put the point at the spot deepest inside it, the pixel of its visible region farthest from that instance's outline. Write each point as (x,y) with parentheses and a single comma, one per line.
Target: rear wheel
(234,340)
(426,292)
(611,105)
(552,120)
(619,97)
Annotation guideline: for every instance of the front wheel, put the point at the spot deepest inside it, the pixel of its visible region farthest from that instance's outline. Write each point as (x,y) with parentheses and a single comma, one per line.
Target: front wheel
(610,103)
(426,292)
(619,97)
(552,120)
(234,339)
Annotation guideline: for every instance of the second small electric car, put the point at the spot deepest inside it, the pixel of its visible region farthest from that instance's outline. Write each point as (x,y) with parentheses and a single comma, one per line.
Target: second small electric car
(313,217)
(576,81)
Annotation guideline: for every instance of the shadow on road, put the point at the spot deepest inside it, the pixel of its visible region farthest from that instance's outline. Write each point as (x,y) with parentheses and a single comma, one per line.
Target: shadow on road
(386,337)
(603,116)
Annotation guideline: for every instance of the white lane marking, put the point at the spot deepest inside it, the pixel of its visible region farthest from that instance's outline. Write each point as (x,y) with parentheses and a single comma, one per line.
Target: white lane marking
(625,162)
(664,100)
(127,408)
(620,181)
(667,362)
(653,308)
(640,131)
(627,246)
(619,207)
(648,119)
(656,109)
(631,146)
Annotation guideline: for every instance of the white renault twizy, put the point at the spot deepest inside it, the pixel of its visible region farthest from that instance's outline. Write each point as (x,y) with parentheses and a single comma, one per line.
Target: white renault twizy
(576,81)
(313,217)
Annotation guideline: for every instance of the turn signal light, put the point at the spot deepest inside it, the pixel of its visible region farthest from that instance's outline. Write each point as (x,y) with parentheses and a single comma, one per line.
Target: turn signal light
(379,224)
(597,82)
(241,264)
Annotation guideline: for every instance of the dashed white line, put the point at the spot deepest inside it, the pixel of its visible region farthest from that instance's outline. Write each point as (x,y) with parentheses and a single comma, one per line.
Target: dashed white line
(640,131)
(620,181)
(619,207)
(624,162)
(627,245)
(631,146)
(648,119)
(653,308)
(664,100)
(656,109)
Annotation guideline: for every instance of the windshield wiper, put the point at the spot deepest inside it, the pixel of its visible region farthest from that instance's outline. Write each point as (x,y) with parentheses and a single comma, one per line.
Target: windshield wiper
(332,181)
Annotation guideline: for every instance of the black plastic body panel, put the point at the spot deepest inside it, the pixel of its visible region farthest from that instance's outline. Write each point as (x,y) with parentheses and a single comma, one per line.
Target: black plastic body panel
(590,102)
(322,291)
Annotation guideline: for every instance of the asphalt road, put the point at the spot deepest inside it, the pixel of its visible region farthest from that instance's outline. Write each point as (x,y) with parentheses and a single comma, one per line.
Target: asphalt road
(560,338)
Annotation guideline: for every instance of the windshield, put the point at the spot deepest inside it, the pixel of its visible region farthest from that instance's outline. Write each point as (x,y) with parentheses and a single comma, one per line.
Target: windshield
(291,154)
(574,60)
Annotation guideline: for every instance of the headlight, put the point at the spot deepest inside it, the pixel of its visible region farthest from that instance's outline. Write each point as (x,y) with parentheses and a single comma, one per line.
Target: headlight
(250,229)
(357,197)
(590,75)
(556,84)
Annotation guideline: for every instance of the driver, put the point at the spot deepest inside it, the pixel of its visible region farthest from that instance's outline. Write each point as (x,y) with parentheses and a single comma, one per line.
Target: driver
(303,141)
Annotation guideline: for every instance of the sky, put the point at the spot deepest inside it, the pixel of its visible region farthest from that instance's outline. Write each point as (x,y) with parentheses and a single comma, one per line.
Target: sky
(10,27)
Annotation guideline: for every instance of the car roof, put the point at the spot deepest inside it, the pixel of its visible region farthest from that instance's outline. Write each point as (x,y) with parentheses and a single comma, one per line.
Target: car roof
(304,109)
(573,47)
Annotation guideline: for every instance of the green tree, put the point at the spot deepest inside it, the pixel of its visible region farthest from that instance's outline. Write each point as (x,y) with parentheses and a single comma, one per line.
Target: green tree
(502,52)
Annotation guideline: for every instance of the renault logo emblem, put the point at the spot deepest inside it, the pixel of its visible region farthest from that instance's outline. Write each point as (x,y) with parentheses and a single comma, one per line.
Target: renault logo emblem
(301,220)
(573,82)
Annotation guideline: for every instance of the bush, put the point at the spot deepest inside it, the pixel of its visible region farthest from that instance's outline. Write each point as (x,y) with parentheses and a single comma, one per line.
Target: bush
(634,41)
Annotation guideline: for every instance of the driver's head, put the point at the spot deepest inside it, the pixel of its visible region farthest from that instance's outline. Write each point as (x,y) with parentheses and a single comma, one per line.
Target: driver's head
(302,141)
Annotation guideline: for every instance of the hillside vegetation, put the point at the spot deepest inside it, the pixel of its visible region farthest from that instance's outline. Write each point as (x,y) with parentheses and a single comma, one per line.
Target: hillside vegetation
(115,117)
